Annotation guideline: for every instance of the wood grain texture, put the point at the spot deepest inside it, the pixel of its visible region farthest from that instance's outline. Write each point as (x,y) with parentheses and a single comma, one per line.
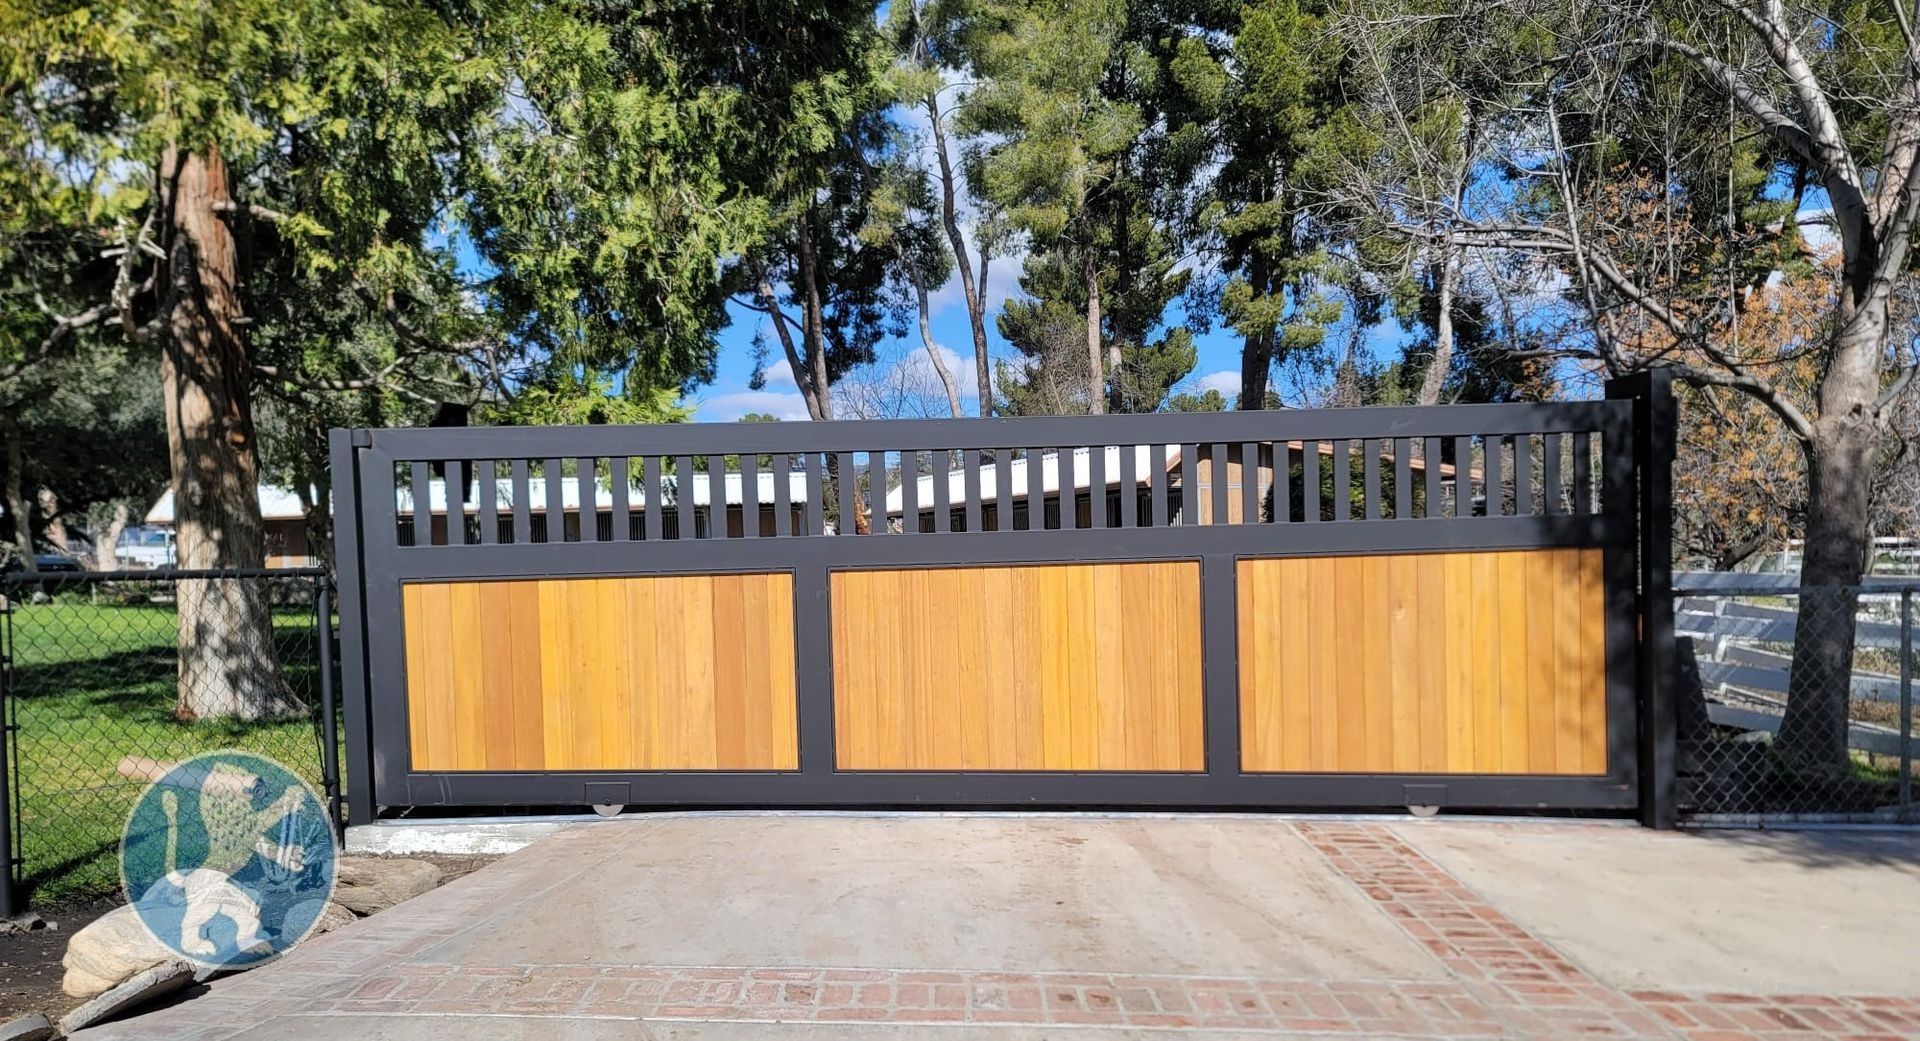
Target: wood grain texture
(1481,663)
(661,673)
(1055,667)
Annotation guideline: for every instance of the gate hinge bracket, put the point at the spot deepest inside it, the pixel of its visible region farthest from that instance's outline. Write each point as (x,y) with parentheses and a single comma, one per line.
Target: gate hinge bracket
(360,438)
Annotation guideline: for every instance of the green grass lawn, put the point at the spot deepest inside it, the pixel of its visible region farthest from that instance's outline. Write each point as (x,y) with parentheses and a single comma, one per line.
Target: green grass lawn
(95,681)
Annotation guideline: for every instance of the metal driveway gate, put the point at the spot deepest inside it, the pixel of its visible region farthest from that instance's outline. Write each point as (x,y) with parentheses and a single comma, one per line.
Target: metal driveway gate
(1353,608)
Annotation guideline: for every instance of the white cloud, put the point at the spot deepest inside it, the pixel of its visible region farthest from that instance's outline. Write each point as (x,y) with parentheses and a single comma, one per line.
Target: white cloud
(1226,381)
(780,374)
(1003,283)
(725,408)
(915,368)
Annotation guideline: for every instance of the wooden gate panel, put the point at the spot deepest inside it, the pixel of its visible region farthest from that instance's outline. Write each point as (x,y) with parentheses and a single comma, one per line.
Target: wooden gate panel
(1042,668)
(690,672)
(1439,663)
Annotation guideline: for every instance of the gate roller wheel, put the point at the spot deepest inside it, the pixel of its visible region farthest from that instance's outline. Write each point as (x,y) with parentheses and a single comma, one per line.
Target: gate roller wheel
(1424,810)
(609,809)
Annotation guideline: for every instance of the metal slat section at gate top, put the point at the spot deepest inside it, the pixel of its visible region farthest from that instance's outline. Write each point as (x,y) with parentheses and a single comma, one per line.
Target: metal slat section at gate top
(1225,610)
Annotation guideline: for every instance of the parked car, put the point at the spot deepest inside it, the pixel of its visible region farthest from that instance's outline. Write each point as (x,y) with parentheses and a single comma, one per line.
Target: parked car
(146,547)
(51,566)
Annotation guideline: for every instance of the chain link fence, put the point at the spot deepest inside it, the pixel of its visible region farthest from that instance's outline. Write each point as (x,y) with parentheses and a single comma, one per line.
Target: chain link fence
(1795,705)
(102,680)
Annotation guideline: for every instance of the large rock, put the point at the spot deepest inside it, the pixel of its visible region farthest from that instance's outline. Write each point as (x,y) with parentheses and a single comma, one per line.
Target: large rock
(332,917)
(27,1028)
(109,950)
(143,987)
(369,885)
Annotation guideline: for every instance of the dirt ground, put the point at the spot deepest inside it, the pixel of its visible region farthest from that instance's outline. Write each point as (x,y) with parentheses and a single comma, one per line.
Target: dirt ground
(30,969)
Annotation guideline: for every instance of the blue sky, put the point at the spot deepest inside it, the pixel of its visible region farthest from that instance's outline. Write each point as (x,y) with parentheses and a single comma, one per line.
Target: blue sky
(728,397)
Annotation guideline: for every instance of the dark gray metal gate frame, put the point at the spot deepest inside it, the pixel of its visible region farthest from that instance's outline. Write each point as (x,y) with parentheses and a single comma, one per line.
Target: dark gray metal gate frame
(1635,427)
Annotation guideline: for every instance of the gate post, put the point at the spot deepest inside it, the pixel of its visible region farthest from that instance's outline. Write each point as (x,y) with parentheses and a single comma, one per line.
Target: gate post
(1654,422)
(11,903)
(344,462)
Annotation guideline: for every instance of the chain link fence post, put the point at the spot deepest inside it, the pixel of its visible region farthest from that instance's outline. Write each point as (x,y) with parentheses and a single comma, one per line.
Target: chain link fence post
(10,902)
(1906,704)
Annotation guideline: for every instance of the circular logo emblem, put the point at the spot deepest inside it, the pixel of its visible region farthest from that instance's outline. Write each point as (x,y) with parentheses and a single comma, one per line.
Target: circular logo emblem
(228,859)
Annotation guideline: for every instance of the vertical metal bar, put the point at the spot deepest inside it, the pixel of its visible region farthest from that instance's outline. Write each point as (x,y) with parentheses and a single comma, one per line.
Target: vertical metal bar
(1463,477)
(344,463)
(1906,703)
(556,502)
(622,501)
(1402,478)
(1370,477)
(909,492)
(1436,491)
(487,490)
(683,505)
(1583,472)
(1653,449)
(1495,491)
(879,519)
(782,494)
(1220,643)
(1342,491)
(942,494)
(970,488)
(10,902)
(815,469)
(1523,475)
(653,514)
(813,645)
(1221,467)
(329,713)
(1189,486)
(1309,480)
(1096,487)
(522,508)
(1551,488)
(1129,486)
(1036,489)
(586,484)
(750,494)
(1003,489)
(846,479)
(718,508)
(1157,514)
(456,482)
(1250,482)
(422,491)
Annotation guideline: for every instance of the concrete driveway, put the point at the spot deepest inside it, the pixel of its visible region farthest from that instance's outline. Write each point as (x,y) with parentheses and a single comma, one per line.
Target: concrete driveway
(730,926)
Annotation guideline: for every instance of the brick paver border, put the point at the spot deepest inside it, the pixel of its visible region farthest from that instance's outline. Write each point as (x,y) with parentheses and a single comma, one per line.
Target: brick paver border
(1503,982)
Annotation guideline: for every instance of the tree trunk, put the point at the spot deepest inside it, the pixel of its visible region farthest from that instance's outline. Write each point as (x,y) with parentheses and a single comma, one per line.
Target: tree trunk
(933,350)
(812,328)
(1813,732)
(227,662)
(1442,360)
(56,528)
(976,295)
(106,547)
(1256,360)
(1096,376)
(16,491)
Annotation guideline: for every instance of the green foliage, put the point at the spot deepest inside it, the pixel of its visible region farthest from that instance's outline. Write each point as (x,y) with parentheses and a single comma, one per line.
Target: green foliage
(573,399)
(1205,401)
